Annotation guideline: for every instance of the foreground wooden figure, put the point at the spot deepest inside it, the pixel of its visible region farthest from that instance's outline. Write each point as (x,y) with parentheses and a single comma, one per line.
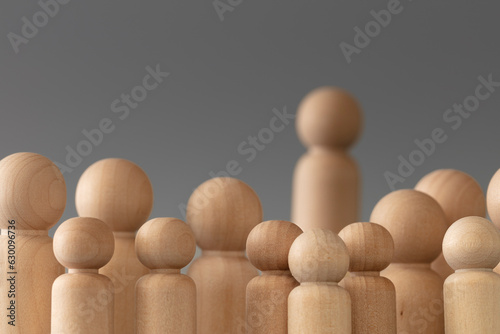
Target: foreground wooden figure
(82,299)
(318,259)
(165,299)
(373,297)
(472,294)
(32,200)
(267,296)
(493,203)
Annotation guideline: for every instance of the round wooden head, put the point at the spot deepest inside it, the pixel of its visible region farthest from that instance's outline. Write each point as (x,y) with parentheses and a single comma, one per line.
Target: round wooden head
(269,242)
(83,243)
(318,255)
(472,242)
(165,243)
(416,223)
(457,192)
(370,246)
(32,192)
(493,199)
(329,116)
(222,211)
(118,192)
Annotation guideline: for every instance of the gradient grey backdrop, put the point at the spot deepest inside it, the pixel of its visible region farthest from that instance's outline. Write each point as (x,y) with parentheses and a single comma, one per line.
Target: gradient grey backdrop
(227,76)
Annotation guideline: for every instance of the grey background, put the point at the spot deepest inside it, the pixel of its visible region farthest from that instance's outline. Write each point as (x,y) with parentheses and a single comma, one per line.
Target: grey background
(227,76)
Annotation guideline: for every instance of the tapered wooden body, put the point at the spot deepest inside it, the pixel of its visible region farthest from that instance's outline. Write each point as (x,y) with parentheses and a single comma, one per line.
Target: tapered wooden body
(36,269)
(82,303)
(326,189)
(319,308)
(221,279)
(166,303)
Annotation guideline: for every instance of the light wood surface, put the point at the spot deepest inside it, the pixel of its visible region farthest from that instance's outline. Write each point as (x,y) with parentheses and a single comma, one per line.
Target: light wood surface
(82,300)
(318,259)
(472,295)
(118,192)
(417,225)
(326,182)
(165,298)
(493,203)
(373,297)
(267,296)
(459,195)
(222,212)
(33,195)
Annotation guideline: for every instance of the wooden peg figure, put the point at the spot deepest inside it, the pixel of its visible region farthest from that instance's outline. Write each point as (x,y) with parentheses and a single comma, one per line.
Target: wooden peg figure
(417,225)
(267,296)
(165,298)
(493,203)
(459,195)
(119,193)
(82,299)
(326,182)
(373,297)
(472,294)
(32,200)
(222,212)
(319,259)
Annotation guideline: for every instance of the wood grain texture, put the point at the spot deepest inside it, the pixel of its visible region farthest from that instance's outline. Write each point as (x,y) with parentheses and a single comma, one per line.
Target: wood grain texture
(472,294)
(118,192)
(222,212)
(326,182)
(459,195)
(33,194)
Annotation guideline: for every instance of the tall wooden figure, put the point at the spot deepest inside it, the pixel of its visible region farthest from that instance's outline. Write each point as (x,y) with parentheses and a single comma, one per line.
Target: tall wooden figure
(417,224)
(82,299)
(318,259)
(222,212)
(119,193)
(493,202)
(373,297)
(459,195)
(267,296)
(32,199)
(326,182)
(472,295)
(165,298)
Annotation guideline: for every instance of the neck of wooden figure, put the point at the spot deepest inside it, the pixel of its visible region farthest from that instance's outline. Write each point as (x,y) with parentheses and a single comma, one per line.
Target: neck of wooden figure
(165,271)
(326,150)
(365,273)
(223,253)
(16,232)
(319,283)
(82,271)
(124,235)
(276,273)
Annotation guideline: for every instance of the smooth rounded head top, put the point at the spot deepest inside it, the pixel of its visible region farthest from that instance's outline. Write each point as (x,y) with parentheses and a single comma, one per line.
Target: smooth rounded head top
(370,246)
(329,116)
(318,255)
(457,192)
(493,199)
(32,192)
(83,243)
(472,242)
(165,243)
(118,192)
(416,223)
(269,243)
(222,211)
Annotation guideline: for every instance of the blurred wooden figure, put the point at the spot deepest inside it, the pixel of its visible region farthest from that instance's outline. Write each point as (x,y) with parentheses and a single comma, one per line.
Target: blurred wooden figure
(417,224)
(119,193)
(326,182)
(459,195)
(472,294)
(165,298)
(267,296)
(318,259)
(373,297)
(32,200)
(82,299)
